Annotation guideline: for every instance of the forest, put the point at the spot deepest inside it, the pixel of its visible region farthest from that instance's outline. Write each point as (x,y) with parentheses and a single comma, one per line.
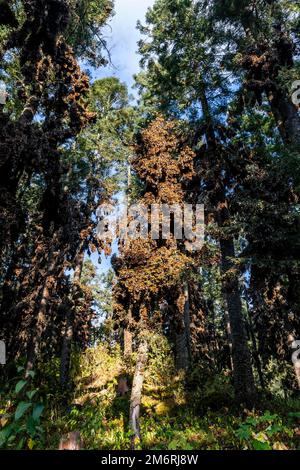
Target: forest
(150,337)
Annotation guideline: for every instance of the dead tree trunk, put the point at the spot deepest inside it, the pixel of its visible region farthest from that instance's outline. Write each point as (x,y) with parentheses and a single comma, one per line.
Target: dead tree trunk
(136,392)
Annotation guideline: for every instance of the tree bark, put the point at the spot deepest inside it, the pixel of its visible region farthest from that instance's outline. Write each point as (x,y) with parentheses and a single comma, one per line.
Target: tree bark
(241,358)
(127,342)
(296,353)
(229,336)
(127,335)
(136,392)
(183,338)
(256,356)
(292,322)
(41,317)
(35,343)
(297,372)
(286,116)
(69,318)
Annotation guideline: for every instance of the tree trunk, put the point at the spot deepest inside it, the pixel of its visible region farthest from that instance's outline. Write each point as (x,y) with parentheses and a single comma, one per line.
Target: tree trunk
(241,359)
(292,323)
(256,357)
(127,342)
(183,338)
(35,342)
(34,345)
(242,369)
(292,342)
(127,335)
(297,372)
(136,393)
(66,348)
(69,318)
(7,293)
(296,363)
(287,117)
(229,337)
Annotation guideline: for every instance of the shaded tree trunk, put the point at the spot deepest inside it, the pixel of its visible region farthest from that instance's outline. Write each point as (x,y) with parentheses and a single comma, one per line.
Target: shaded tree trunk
(292,323)
(127,342)
(297,372)
(41,316)
(229,337)
(136,392)
(256,356)
(292,342)
(69,320)
(183,338)
(127,335)
(241,358)
(7,292)
(286,116)
(41,321)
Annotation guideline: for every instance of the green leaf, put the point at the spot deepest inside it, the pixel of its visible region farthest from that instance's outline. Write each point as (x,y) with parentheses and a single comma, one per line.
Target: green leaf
(2,439)
(37,411)
(20,385)
(294,414)
(268,417)
(31,426)
(31,394)
(30,373)
(20,444)
(5,434)
(259,445)
(21,409)
(274,429)
(173,445)
(243,432)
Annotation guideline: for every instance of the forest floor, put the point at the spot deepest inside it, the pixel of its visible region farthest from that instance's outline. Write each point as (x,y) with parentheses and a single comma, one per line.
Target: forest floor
(178,412)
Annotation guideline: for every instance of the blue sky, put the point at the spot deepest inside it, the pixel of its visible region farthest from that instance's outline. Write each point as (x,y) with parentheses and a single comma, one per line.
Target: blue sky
(122,39)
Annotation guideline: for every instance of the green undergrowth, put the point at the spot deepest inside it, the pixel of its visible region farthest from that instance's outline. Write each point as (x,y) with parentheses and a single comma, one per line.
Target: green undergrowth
(179,412)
